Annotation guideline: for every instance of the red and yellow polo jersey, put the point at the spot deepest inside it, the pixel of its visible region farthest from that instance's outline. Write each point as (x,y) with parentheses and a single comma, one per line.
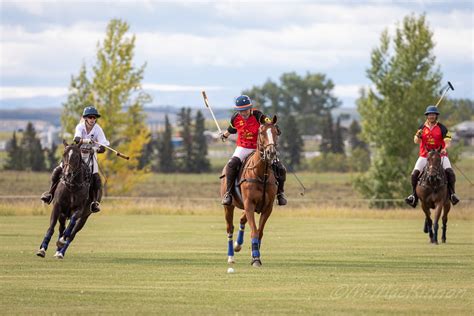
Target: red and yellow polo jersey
(246,129)
(433,138)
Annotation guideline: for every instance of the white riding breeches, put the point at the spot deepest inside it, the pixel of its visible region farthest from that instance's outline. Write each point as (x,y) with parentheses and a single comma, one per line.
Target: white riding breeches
(242,153)
(422,161)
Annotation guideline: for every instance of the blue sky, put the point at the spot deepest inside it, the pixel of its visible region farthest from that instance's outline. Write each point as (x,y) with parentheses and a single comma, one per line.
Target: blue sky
(221,46)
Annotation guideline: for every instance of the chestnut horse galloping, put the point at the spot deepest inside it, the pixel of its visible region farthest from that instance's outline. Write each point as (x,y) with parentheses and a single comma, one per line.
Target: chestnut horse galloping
(432,190)
(258,187)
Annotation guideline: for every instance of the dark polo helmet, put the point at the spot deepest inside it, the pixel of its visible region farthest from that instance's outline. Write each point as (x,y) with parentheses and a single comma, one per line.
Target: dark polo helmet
(431,109)
(90,110)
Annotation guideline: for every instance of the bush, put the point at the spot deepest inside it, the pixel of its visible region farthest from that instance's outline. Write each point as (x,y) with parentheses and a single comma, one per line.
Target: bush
(329,162)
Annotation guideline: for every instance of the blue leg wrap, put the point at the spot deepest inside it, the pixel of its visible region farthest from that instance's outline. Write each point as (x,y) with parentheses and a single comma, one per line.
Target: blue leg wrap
(72,223)
(240,236)
(255,248)
(63,250)
(46,240)
(230,245)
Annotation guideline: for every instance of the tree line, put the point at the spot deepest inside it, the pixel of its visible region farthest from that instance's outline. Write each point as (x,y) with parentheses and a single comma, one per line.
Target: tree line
(404,79)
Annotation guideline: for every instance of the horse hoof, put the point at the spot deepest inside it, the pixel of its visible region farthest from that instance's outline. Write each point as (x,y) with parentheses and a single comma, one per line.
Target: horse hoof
(444,241)
(230,260)
(56,254)
(237,247)
(256,262)
(59,256)
(41,253)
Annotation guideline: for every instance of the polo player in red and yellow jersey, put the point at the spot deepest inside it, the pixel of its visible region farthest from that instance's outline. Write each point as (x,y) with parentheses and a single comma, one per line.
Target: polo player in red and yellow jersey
(246,122)
(432,135)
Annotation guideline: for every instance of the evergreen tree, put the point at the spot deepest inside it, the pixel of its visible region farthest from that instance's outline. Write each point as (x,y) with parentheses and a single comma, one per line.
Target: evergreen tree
(291,142)
(148,155)
(327,135)
(166,157)
(338,141)
(184,121)
(51,157)
(15,157)
(405,79)
(34,158)
(354,136)
(199,146)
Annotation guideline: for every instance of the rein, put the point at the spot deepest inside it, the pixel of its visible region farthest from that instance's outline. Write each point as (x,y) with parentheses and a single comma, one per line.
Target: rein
(70,181)
(439,177)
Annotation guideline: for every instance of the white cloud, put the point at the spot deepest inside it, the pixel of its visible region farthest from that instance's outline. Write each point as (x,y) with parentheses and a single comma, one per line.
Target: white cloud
(280,35)
(31,92)
(178,88)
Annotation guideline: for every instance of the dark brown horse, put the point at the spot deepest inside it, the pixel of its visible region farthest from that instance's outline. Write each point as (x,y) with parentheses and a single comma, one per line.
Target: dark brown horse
(432,189)
(71,201)
(258,187)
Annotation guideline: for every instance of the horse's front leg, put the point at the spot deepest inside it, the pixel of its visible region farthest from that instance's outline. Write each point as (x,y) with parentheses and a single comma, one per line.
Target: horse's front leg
(428,222)
(229,218)
(62,240)
(437,215)
(261,225)
(254,234)
(62,228)
(49,233)
(80,222)
(240,237)
(447,207)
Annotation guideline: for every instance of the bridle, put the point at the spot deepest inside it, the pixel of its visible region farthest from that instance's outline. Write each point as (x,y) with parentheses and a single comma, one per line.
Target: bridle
(71,172)
(268,152)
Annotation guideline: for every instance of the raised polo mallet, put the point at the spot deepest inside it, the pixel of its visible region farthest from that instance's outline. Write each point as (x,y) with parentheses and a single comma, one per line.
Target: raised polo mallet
(206,101)
(449,87)
(115,151)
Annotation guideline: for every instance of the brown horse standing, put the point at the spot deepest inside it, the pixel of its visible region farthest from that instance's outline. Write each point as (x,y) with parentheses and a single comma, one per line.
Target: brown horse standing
(432,189)
(258,187)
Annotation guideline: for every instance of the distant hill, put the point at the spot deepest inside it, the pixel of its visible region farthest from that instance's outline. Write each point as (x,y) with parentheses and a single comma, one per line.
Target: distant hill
(14,119)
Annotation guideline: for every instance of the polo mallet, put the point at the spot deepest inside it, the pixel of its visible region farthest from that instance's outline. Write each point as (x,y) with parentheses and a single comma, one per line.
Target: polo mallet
(115,151)
(448,87)
(206,101)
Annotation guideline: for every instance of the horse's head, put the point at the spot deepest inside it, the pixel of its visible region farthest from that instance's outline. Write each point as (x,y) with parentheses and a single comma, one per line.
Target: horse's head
(268,139)
(72,160)
(434,164)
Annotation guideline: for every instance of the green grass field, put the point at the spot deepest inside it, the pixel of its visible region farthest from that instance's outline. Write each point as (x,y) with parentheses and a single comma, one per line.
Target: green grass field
(162,250)
(177,265)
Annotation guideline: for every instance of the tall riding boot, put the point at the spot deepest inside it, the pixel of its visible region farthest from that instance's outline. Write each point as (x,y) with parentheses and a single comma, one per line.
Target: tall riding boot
(231,173)
(280,173)
(47,197)
(451,177)
(96,193)
(412,200)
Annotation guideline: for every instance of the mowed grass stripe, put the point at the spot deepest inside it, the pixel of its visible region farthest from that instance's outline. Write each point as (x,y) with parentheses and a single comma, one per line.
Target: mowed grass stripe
(177,265)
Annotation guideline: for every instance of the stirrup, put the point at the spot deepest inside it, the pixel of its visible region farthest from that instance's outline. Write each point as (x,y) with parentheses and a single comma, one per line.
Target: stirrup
(95,207)
(281,200)
(46,197)
(454,199)
(227,199)
(411,200)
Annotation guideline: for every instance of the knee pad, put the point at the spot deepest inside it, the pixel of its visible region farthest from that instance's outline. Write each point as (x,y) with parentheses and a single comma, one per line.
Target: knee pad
(234,163)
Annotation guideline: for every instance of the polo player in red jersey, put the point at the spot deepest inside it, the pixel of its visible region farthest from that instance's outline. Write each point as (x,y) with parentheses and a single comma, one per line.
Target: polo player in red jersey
(432,135)
(246,122)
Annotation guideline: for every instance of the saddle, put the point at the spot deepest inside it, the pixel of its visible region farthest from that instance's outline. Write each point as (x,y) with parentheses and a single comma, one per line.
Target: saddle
(237,193)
